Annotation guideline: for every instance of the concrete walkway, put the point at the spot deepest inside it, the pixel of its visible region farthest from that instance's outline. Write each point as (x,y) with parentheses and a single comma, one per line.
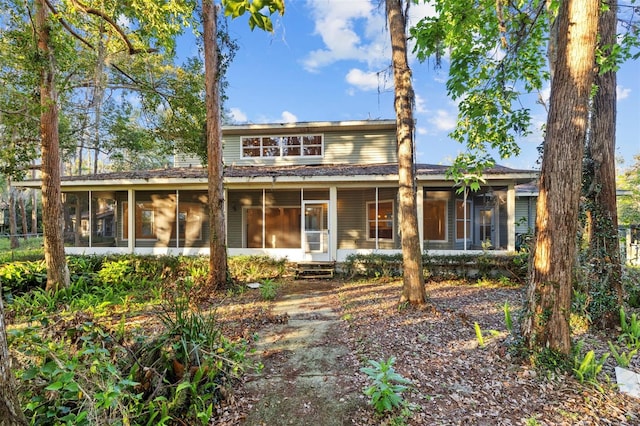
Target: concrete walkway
(308,373)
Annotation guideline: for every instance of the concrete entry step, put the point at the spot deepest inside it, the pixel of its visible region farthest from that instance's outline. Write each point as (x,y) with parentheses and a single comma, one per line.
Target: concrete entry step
(315,270)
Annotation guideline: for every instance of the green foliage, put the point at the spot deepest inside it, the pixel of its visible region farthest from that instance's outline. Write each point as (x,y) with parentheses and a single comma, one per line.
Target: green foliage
(623,358)
(74,371)
(630,333)
(629,206)
(495,53)
(508,321)
(509,269)
(631,285)
(479,336)
(20,277)
(29,250)
(236,8)
(268,289)
(386,391)
(255,268)
(587,367)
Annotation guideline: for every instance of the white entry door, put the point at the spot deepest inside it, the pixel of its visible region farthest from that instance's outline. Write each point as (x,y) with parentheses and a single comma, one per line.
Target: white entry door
(315,233)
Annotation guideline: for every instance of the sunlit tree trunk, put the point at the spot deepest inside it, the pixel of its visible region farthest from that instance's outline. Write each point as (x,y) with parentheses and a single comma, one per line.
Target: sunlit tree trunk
(218,250)
(413,290)
(10,412)
(603,252)
(546,324)
(57,270)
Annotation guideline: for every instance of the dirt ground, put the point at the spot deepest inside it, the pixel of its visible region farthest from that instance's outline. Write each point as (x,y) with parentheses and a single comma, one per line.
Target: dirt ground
(317,335)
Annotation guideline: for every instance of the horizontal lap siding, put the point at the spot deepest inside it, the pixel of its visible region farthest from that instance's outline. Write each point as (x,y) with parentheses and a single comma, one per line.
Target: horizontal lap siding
(352,218)
(354,147)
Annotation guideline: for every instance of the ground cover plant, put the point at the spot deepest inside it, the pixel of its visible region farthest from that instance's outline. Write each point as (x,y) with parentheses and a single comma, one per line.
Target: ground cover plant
(134,341)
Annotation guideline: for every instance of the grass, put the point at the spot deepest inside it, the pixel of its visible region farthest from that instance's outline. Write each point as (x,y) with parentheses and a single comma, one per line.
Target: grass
(30,249)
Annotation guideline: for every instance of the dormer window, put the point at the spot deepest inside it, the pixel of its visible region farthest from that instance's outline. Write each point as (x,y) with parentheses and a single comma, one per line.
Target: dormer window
(282,146)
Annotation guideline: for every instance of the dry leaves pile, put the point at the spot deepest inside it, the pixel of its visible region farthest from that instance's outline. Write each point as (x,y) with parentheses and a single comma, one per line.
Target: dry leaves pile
(455,381)
(458,382)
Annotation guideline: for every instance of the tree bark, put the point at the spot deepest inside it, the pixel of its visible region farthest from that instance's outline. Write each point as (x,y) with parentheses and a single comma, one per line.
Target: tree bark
(14,243)
(603,254)
(218,251)
(10,412)
(23,215)
(57,270)
(546,324)
(413,290)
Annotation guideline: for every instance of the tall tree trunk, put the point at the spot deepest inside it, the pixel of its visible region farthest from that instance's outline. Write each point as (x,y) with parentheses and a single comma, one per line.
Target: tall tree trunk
(546,324)
(23,215)
(218,250)
(10,412)
(603,252)
(413,290)
(57,270)
(34,212)
(14,243)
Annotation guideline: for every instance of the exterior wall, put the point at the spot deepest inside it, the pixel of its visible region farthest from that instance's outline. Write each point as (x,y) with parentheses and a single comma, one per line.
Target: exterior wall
(525,214)
(352,214)
(345,147)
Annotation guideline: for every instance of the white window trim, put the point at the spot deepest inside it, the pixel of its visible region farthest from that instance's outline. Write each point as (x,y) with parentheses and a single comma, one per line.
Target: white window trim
(469,220)
(446,216)
(393,221)
(267,157)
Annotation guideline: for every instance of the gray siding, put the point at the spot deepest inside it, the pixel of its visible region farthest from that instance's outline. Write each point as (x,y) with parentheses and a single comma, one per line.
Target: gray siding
(525,208)
(186,160)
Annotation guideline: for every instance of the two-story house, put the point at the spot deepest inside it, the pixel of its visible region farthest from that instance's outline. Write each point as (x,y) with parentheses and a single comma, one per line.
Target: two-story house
(305,191)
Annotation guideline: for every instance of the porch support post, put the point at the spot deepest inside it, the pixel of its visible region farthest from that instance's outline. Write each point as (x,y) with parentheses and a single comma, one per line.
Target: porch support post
(511,217)
(90,219)
(420,209)
(226,217)
(131,214)
(333,222)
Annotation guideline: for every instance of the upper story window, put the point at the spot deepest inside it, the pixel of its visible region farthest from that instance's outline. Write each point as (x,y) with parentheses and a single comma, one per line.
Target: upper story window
(282,146)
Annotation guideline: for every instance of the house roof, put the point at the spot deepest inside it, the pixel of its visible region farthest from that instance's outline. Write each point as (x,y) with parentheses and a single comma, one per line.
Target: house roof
(234,171)
(271,173)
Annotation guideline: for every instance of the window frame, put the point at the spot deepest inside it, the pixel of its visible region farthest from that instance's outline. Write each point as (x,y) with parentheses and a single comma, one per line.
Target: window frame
(285,149)
(369,221)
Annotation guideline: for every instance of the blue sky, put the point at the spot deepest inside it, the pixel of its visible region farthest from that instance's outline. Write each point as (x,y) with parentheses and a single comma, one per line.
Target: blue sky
(326,60)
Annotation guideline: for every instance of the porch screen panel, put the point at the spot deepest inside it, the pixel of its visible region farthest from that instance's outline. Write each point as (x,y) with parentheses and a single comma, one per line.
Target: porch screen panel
(193,219)
(384,222)
(460,220)
(435,220)
(281,227)
(103,219)
(155,218)
(75,210)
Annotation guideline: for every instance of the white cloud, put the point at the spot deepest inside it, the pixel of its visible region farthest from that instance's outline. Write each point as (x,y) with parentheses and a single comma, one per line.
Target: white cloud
(364,80)
(350,30)
(288,117)
(443,120)
(238,116)
(422,130)
(622,92)
(420,104)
